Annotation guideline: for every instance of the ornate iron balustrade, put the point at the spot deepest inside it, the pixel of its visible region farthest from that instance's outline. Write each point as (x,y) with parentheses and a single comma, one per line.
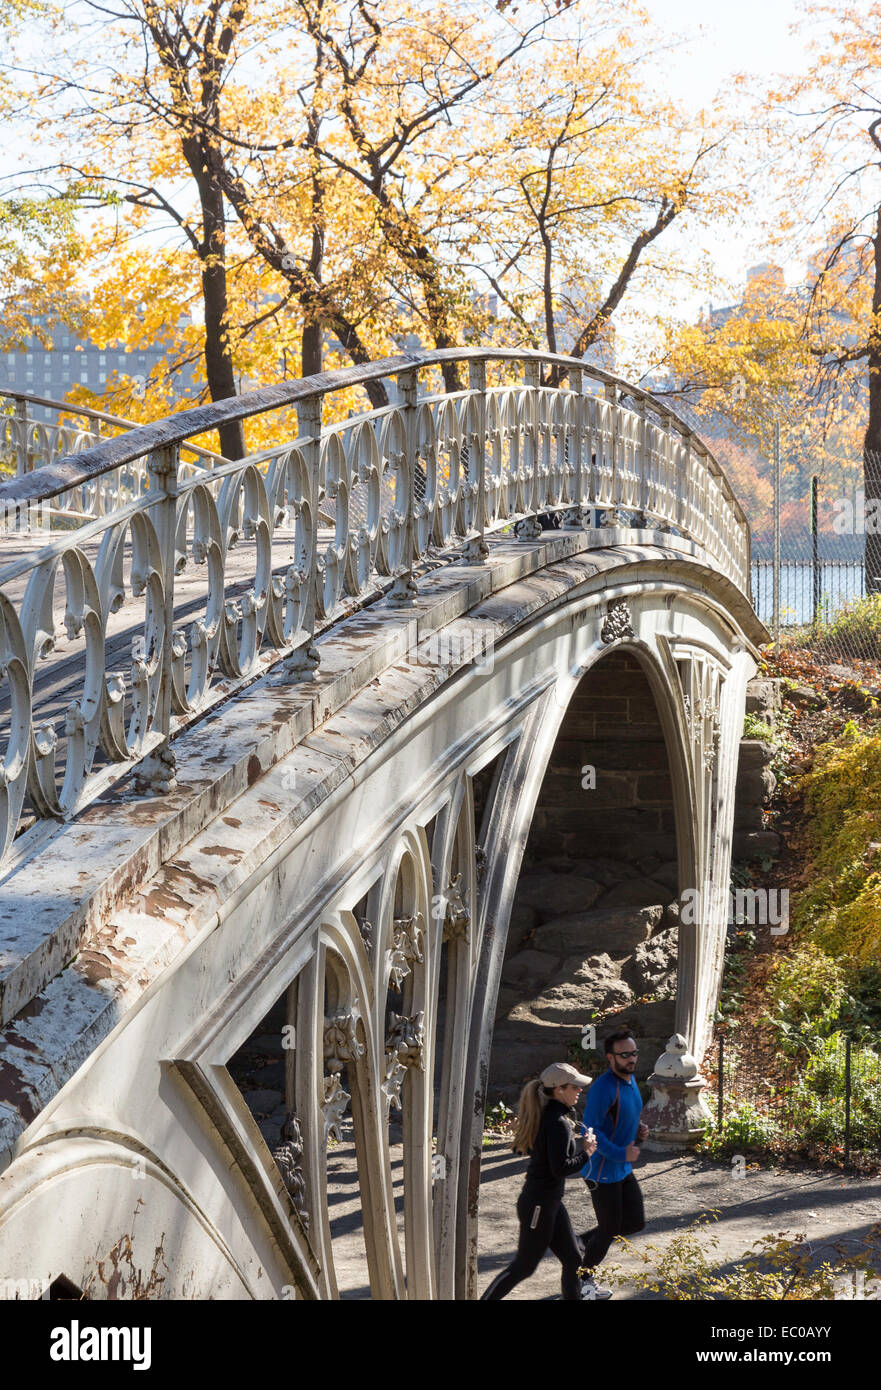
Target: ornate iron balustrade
(323,523)
(30,443)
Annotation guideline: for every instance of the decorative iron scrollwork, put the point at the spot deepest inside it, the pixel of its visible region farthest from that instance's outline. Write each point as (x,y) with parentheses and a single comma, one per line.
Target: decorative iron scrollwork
(407,939)
(341,1043)
(457,919)
(404,1050)
(334,1107)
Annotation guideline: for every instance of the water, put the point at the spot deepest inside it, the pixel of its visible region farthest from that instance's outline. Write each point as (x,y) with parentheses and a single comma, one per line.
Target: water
(841,582)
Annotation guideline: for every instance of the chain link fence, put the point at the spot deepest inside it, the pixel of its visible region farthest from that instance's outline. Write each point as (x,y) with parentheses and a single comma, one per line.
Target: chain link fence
(809,577)
(812,527)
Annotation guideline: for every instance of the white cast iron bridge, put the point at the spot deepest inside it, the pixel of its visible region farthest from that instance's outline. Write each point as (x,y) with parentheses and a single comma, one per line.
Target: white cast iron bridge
(274,735)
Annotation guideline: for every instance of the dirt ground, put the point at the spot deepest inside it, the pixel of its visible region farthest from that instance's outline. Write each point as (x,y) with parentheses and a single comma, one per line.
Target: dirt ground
(825,1205)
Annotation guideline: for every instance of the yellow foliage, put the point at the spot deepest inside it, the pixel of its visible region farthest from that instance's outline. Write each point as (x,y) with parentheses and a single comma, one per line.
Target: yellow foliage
(842,904)
(383,170)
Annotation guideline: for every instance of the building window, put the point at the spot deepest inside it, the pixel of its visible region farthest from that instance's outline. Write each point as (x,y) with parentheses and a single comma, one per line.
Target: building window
(65,357)
(102,377)
(29,357)
(28,376)
(102,359)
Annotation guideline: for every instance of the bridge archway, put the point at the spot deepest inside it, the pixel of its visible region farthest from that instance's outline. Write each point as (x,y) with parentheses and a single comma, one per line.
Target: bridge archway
(613,811)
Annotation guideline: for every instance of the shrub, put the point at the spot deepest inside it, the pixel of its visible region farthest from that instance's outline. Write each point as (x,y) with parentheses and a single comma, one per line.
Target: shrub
(807,992)
(687,1268)
(743,1127)
(854,632)
(753,727)
(842,909)
(499,1117)
(818,1097)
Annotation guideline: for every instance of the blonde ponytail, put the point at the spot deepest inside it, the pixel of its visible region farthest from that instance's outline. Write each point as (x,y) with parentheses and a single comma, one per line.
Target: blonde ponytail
(533,1098)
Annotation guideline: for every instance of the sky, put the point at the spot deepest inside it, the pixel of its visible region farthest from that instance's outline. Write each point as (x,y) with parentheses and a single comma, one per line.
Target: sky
(751,37)
(747,36)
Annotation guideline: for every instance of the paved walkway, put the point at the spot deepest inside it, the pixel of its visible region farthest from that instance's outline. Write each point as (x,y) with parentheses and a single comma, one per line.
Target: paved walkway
(826,1206)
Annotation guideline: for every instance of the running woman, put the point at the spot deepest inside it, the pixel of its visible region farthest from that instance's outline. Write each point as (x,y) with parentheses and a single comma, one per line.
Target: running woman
(545,1131)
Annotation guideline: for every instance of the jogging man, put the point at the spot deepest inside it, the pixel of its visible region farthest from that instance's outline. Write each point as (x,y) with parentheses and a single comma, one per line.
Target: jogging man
(612,1109)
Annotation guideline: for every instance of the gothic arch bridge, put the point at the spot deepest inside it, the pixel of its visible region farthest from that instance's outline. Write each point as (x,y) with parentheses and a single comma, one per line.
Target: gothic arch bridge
(275,732)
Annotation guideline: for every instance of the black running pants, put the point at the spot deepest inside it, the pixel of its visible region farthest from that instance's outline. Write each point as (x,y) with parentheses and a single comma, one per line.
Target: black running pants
(619,1212)
(544,1224)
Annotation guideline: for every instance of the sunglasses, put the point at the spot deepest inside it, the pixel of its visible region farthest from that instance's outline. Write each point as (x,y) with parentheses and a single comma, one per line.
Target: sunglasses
(634,1053)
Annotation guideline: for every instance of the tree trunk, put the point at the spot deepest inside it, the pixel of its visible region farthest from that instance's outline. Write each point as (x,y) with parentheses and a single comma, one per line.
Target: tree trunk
(872,441)
(219,368)
(311,349)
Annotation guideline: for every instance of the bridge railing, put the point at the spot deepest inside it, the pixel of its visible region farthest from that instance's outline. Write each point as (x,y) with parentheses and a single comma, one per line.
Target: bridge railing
(28,442)
(117,633)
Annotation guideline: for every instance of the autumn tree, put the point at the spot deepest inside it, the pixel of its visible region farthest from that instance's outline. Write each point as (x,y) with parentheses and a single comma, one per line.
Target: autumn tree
(181,96)
(335,175)
(393,79)
(838,111)
(808,356)
(585,182)
(36,230)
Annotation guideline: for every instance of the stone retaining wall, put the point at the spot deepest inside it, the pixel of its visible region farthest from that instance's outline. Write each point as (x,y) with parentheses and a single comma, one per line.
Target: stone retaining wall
(592,929)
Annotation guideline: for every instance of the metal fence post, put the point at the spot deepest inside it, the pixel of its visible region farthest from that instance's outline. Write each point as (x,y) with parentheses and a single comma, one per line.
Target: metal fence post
(573,518)
(304,659)
(815,557)
(613,516)
(403,590)
(532,377)
(720,1082)
(640,518)
(21,453)
(846,1100)
(776,601)
(684,484)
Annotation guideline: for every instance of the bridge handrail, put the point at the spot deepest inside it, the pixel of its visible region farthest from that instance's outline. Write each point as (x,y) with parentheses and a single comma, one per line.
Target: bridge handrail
(88,413)
(337,516)
(175,429)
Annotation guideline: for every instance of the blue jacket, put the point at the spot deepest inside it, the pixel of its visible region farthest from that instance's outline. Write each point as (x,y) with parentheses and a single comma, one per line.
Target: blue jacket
(613,1131)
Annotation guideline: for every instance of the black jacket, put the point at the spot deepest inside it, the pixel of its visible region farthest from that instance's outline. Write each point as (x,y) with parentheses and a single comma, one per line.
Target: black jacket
(557,1153)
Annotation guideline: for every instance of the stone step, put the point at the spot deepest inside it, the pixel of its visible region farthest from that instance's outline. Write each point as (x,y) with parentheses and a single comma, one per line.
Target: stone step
(636,892)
